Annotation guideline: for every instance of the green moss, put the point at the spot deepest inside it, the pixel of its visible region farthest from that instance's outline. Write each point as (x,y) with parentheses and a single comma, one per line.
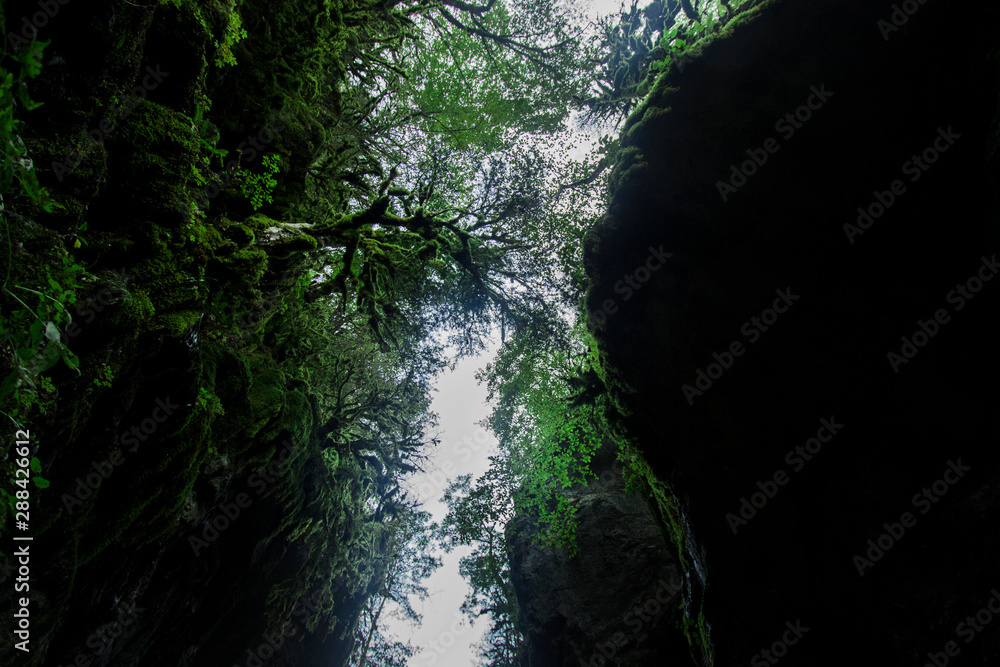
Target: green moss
(75,182)
(631,165)
(258,222)
(178,322)
(639,476)
(266,393)
(293,245)
(135,313)
(158,146)
(295,418)
(239,234)
(650,114)
(248,265)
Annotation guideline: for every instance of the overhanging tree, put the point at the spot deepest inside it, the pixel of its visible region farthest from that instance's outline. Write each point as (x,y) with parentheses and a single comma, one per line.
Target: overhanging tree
(409,562)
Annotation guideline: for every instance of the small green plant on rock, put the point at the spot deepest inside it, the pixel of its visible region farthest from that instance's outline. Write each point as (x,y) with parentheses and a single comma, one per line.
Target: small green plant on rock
(104,375)
(209,402)
(258,188)
(678,40)
(234,33)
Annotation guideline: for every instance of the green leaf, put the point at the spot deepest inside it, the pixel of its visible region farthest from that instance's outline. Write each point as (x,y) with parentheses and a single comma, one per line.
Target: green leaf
(71,359)
(36,465)
(10,383)
(52,332)
(32,58)
(28,103)
(49,360)
(41,482)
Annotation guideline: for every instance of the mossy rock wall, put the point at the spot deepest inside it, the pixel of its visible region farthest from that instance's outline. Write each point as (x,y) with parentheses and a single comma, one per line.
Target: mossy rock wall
(175,324)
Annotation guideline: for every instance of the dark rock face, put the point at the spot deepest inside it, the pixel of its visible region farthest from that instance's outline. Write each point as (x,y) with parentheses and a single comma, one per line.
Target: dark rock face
(116,578)
(616,601)
(819,380)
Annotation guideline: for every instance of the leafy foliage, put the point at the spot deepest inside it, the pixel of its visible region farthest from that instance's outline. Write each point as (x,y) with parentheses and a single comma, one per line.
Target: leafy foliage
(409,562)
(35,336)
(633,49)
(258,187)
(550,417)
(234,33)
(14,159)
(477,516)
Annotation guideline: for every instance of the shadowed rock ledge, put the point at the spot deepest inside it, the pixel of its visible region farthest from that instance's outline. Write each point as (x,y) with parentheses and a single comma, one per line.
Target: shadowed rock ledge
(616,602)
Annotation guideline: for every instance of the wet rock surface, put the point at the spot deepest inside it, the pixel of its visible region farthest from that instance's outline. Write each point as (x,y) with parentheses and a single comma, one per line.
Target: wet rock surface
(616,601)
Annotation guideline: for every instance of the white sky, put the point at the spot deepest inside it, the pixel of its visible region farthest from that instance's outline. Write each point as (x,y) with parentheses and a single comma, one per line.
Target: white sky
(465,447)
(446,638)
